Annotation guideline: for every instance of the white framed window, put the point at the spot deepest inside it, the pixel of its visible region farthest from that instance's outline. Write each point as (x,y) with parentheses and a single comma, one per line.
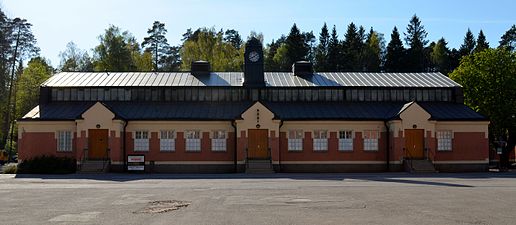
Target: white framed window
(167,141)
(346,140)
(444,140)
(64,141)
(320,140)
(218,142)
(295,140)
(141,140)
(193,140)
(371,140)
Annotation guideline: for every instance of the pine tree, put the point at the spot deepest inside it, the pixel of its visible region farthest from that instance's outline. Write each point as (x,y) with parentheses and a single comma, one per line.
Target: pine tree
(482,44)
(270,52)
(334,51)
(508,39)
(156,43)
(469,44)
(415,37)
(351,49)
(297,49)
(395,57)
(321,53)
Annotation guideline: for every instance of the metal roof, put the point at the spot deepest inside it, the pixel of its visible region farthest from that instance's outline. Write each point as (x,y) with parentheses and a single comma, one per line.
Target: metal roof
(232,110)
(272,79)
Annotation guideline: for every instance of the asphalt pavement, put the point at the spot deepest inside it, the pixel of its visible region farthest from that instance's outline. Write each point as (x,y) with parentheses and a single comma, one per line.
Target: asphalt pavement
(381,198)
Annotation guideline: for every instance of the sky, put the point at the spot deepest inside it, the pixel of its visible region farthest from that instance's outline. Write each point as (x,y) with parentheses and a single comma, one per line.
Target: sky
(57,22)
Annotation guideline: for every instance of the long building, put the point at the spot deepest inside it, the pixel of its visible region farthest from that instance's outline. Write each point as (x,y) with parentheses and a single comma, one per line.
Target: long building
(299,121)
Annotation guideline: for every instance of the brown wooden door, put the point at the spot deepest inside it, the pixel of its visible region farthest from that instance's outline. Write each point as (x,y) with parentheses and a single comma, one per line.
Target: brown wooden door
(98,143)
(258,144)
(414,143)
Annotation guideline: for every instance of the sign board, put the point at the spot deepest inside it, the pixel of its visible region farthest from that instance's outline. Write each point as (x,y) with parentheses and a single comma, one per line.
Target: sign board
(136,162)
(499,150)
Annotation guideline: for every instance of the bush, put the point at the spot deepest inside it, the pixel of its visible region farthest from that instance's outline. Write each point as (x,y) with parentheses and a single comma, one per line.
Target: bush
(10,168)
(48,165)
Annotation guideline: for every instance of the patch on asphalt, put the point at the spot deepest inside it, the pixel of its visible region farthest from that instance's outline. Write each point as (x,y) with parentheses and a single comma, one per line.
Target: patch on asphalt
(163,206)
(81,217)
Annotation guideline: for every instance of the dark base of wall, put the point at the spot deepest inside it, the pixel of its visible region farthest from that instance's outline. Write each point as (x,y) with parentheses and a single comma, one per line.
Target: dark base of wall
(333,168)
(303,168)
(455,168)
(183,168)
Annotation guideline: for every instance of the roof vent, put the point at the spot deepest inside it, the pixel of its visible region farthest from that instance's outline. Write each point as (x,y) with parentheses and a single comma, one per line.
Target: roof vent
(200,68)
(302,68)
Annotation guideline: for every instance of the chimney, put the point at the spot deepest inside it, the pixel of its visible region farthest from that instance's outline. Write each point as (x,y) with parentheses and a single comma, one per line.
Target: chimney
(200,68)
(302,68)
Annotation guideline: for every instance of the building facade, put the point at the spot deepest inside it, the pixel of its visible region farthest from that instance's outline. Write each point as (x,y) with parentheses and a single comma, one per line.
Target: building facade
(299,121)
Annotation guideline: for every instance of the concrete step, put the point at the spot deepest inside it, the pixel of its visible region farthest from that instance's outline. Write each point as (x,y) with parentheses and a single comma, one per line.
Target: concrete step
(419,166)
(259,166)
(93,166)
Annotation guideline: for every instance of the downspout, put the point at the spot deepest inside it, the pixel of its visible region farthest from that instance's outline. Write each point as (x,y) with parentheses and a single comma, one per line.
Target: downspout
(235,162)
(387,141)
(279,148)
(124,145)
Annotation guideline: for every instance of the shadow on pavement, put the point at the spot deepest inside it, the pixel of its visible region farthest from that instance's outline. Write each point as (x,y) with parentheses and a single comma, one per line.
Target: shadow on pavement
(405,178)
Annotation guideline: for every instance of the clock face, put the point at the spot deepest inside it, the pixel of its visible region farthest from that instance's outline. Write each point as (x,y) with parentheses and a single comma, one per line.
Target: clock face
(254,56)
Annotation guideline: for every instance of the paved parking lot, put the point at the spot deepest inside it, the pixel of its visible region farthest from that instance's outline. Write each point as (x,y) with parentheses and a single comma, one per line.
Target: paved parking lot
(384,198)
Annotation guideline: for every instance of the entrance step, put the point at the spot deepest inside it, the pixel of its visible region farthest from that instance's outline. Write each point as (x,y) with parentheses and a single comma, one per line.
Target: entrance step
(259,166)
(93,166)
(419,166)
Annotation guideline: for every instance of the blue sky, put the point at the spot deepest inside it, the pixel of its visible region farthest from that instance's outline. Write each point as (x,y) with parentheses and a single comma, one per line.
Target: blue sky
(56,22)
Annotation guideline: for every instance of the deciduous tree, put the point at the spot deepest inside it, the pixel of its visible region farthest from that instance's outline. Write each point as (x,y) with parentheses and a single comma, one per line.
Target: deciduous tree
(489,84)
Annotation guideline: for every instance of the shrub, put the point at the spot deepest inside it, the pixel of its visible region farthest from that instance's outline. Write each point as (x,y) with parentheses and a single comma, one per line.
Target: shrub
(48,165)
(10,168)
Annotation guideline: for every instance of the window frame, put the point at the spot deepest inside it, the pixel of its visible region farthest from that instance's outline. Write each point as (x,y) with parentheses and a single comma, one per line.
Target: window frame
(167,140)
(371,144)
(444,135)
(193,143)
(320,141)
(64,141)
(295,142)
(218,141)
(141,141)
(345,142)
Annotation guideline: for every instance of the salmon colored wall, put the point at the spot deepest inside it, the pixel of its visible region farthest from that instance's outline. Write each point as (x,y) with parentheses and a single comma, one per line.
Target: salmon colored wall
(41,143)
(466,146)
(332,154)
(242,145)
(180,154)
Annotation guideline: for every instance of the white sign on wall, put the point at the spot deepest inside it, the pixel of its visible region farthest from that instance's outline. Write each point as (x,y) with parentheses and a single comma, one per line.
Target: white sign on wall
(136,162)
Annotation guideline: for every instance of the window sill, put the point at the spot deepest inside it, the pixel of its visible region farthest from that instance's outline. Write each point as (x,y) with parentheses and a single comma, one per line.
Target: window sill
(345,150)
(325,150)
(193,151)
(445,150)
(167,151)
(295,150)
(370,150)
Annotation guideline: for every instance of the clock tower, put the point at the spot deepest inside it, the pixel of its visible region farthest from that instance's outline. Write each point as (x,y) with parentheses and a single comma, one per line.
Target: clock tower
(253,64)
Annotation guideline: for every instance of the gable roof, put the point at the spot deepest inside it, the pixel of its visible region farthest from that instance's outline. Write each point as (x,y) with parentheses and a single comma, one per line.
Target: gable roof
(235,79)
